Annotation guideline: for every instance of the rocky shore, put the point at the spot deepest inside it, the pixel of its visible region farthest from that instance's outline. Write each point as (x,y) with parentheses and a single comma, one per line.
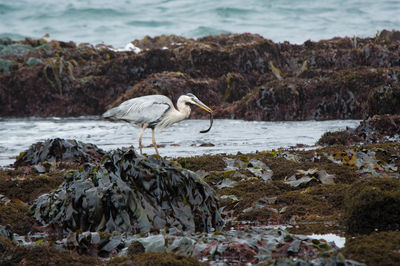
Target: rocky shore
(68,202)
(243,76)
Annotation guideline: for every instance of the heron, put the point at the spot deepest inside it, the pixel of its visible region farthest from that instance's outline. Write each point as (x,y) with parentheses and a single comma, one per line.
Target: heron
(154,112)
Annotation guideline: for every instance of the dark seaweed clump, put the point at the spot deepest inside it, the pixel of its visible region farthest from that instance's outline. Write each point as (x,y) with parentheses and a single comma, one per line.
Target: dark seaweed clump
(127,192)
(373,205)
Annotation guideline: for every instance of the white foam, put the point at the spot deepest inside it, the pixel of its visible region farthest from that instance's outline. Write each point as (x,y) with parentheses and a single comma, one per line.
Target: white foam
(130,47)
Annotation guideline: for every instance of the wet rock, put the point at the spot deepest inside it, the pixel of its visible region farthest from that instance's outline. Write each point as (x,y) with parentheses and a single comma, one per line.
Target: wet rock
(310,177)
(326,178)
(294,247)
(376,129)
(5,65)
(154,243)
(32,61)
(130,193)
(226,183)
(92,243)
(254,166)
(57,150)
(365,163)
(244,76)
(182,246)
(260,169)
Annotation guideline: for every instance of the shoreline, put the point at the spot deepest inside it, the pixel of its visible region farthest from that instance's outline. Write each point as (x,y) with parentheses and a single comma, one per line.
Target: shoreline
(240,76)
(309,192)
(68,201)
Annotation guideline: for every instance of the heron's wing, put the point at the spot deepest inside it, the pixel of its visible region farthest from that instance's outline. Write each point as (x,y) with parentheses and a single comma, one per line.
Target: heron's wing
(141,110)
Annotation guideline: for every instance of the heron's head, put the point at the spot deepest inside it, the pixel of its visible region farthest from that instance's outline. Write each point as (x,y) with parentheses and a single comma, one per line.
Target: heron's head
(191,98)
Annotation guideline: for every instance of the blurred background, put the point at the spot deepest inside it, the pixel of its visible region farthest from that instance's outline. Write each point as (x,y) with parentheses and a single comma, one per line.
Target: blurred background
(120,22)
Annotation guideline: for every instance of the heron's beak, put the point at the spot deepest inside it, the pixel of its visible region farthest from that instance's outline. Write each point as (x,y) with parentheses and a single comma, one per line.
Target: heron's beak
(201,105)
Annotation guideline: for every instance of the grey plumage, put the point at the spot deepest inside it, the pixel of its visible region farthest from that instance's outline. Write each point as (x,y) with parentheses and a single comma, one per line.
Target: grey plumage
(154,111)
(142,110)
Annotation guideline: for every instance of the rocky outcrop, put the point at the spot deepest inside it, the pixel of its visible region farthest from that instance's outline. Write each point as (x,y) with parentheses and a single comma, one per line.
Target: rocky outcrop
(239,75)
(377,129)
(59,151)
(127,192)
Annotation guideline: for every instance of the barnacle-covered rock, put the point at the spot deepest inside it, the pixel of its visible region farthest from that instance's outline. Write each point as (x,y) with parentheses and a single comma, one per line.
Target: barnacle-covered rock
(127,192)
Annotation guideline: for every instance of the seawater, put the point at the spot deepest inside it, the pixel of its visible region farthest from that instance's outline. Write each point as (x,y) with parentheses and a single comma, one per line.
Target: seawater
(119,22)
(180,140)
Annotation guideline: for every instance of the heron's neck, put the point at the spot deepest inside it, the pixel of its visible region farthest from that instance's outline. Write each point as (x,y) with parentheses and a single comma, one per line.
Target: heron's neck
(183,109)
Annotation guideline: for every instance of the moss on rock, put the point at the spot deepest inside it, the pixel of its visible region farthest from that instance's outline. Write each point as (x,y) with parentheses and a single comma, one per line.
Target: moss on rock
(373,204)
(377,248)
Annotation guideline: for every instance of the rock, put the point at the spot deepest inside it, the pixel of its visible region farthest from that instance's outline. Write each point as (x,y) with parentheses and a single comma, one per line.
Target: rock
(376,129)
(56,150)
(242,76)
(154,243)
(303,182)
(294,247)
(5,65)
(130,193)
(310,177)
(260,169)
(182,246)
(226,183)
(32,61)
(256,167)
(326,178)
(373,204)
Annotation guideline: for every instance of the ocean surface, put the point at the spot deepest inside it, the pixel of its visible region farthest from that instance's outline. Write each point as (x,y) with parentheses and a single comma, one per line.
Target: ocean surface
(180,140)
(119,22)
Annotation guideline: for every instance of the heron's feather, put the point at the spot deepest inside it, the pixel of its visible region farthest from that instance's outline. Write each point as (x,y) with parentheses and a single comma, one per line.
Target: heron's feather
(142,110)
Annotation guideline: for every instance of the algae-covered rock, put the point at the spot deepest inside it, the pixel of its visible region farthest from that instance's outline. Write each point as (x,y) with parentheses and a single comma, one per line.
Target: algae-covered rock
(375,129)
(242,76)
(373,205)
(130,193)
(55,150)
(377,248)
(385,100)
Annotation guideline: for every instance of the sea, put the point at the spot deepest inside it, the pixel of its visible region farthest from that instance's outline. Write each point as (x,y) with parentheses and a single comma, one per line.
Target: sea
(180,140)
(119,22)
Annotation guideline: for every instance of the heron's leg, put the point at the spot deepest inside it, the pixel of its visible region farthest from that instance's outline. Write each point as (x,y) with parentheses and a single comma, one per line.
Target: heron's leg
(154,141)
(140,138)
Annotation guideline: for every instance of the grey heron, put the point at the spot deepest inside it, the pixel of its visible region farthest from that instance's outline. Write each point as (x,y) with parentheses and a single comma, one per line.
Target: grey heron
(155,112)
